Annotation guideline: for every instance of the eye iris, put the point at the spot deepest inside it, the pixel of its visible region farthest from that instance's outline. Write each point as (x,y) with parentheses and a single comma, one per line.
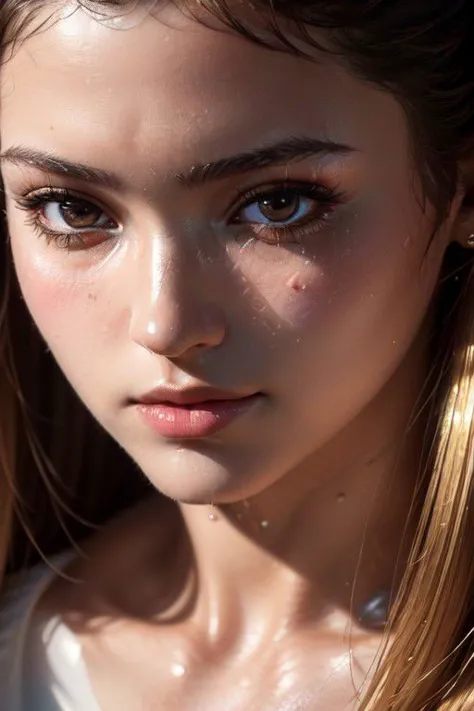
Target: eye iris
(79,213)
(280,206)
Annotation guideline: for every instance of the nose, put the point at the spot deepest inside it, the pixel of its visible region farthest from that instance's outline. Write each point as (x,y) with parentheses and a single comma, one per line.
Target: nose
(175,311)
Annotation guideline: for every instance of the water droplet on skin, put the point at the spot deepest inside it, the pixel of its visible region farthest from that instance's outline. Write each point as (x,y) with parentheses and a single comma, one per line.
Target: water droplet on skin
(264,524)
(212,515)
(178,670)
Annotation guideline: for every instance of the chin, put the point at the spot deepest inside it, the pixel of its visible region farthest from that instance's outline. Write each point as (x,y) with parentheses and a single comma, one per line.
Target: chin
(197,477)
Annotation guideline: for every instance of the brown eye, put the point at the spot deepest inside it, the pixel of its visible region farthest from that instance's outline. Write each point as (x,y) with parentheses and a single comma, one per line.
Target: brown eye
(279,206)
(79,213)
(75,214)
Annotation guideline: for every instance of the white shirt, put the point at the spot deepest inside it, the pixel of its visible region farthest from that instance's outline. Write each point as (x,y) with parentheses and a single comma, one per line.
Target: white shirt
(28,644)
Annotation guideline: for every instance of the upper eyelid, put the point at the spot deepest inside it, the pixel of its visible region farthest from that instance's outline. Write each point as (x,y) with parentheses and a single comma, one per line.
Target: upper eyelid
(334,194)
(50,192)
(54,194)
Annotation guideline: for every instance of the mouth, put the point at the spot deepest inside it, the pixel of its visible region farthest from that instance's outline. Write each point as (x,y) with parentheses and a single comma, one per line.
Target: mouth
(193,414)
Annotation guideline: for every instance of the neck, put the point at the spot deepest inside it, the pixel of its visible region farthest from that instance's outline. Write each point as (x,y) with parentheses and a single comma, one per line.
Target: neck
(331,534)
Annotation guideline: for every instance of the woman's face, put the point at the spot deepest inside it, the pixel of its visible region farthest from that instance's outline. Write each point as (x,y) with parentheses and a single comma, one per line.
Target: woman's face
(189,210)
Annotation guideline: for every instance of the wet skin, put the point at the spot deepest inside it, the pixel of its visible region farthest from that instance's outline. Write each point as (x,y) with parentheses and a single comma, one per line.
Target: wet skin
(250,221)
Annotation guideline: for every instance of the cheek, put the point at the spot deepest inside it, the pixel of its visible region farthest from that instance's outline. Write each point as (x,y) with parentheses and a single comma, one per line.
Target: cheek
(359,303)
(61,306)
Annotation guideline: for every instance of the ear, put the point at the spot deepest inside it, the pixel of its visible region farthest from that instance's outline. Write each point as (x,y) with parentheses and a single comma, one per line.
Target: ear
(463,207)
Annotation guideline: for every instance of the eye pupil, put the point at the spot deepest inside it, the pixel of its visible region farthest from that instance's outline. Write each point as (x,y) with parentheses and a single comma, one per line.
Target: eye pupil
(279,206)
(79,213)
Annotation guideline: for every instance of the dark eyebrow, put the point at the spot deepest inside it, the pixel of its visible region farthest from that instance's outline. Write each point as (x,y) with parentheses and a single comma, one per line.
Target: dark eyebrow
(289,150)
(49,163)
(285,151)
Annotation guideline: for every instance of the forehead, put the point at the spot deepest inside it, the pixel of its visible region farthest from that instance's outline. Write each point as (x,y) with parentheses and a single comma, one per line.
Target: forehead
(172,84)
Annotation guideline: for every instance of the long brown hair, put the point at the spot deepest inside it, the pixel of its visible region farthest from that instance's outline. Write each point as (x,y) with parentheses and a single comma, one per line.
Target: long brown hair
(422,53)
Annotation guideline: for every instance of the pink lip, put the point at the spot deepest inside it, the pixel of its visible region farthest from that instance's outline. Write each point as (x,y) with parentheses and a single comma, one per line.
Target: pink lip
(194,420)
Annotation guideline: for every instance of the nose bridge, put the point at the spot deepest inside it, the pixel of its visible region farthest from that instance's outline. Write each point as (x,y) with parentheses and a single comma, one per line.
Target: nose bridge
(162,264)
(171,308)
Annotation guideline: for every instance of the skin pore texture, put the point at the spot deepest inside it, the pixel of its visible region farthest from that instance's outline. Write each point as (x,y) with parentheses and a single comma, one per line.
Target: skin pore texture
(181,283)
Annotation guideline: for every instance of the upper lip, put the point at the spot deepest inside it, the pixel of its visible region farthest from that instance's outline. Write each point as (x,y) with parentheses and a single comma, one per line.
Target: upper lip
(189,396)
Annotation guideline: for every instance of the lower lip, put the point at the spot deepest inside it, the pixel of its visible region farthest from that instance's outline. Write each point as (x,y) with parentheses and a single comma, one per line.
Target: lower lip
(193,421)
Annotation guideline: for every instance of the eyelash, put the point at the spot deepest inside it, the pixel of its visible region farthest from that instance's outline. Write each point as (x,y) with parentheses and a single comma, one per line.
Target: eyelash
(326,198)
(34,203)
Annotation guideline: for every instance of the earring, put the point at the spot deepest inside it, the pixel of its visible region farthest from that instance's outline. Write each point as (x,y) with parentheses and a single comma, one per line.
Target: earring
(470,241)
